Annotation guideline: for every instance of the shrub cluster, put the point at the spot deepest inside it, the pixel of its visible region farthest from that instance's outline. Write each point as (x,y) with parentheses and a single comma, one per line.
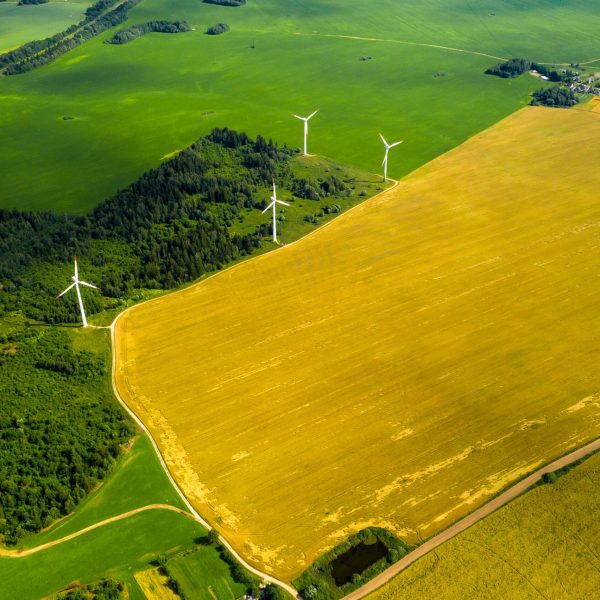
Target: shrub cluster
(226,2)
(135,31)
(556,97)
(107,589)
(218,29)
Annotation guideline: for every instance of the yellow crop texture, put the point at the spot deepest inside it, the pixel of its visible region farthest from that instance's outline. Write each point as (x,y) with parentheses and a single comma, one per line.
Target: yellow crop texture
(395,368)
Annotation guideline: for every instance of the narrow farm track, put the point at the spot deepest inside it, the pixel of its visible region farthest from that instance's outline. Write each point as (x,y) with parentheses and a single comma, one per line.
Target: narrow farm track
(424,45)
(481,513)
(29,551)
(404,42)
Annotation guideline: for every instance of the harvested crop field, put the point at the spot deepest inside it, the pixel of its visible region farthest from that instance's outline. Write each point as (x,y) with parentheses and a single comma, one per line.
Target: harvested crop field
(399,366)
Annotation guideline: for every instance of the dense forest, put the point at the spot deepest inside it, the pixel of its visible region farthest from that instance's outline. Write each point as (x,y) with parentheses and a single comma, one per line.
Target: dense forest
(135,31)
(169,227)
(60,428)
(555,97)
(41,52)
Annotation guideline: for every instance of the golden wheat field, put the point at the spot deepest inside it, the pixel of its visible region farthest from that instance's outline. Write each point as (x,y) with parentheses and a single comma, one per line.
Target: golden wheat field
(542,545)
(395,368)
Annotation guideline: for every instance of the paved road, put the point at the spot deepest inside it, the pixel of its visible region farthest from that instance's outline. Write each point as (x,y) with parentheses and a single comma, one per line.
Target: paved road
(29,551)
(476,516)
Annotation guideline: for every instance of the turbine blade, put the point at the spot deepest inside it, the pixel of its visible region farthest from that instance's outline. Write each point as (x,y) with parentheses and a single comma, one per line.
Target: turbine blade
(396,143)
(89,285)
(268,207)
(282,202)
(384,160)
(312,115)
(65,291)
(301,118)
(383,140)
(76,270)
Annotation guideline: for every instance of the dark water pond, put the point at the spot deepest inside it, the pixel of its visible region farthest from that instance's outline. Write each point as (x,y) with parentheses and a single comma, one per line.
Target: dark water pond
(356,560)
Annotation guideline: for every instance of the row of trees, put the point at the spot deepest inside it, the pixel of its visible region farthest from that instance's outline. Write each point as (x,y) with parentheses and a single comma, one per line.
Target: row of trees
(135,31)
(41,52)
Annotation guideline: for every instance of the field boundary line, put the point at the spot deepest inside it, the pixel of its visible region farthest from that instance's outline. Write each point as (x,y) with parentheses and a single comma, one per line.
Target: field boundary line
(23,552)
(471,519)
(196,515)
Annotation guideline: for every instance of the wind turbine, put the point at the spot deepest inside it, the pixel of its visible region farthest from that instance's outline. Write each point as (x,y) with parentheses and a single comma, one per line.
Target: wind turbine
(385,158)
(306,120)
(76,283)
(274,205)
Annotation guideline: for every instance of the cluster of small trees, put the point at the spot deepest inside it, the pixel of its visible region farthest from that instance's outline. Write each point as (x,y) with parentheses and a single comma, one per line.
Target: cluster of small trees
(26,2)
(135,31)
(511,68)
(517,66)
(41,52)
(106,589)
(218,29)
(226,2)
(556,97)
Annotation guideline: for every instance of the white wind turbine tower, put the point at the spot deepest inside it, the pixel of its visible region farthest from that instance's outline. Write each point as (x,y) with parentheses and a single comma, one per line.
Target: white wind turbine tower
(306,120)
(385,159)
(274,204)
(76,283)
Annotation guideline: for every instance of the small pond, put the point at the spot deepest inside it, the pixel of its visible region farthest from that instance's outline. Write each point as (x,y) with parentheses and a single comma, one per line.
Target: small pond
(356,560)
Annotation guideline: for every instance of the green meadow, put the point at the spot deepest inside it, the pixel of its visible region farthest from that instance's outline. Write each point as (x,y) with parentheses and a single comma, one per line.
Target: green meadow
(116,550)
(138,480)
(21,24)
(129,106)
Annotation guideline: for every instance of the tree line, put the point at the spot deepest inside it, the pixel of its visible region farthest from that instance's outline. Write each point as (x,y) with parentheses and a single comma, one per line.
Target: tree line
(41,52)
(135,31)
(169,227)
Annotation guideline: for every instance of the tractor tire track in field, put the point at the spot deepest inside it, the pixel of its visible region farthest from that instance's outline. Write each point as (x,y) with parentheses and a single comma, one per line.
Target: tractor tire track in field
(487,509)
(29,551)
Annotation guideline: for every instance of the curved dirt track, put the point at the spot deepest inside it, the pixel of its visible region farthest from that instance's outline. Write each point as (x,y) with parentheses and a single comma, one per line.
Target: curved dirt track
(487,509)
(29,551)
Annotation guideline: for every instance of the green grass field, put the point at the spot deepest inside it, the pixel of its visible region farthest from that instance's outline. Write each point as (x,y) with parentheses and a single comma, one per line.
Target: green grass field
(138,480)
(20,24)
(116,550)
(543,545)
(133,104)
(203,575)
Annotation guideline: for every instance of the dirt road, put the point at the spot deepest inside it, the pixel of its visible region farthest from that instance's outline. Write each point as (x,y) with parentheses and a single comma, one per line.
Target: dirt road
(29,551)
(476,516)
